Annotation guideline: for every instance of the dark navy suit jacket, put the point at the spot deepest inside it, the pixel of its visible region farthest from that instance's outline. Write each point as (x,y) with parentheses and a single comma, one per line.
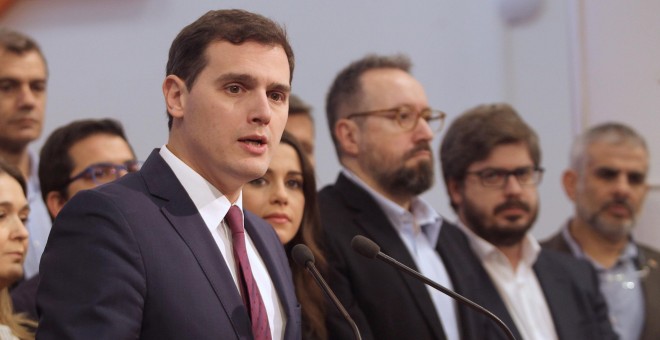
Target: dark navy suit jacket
(385,303)
(134,260)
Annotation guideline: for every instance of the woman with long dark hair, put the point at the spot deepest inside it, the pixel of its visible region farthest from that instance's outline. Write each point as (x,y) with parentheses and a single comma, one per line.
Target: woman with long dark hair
(286,197)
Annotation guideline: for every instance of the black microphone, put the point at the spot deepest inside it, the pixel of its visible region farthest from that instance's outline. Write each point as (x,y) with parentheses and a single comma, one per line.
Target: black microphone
(304,257)
(370,249)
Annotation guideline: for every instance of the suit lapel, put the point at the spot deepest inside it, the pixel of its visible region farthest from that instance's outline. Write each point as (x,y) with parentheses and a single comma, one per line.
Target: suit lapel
(471,280)
(375,225)
(558,293)
(181,212)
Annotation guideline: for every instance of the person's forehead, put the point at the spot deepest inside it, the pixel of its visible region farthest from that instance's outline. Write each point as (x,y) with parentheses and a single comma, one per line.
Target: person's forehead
(506,156)
(100,148)
(11,192)
(618,156)
(250,58)
(28,62)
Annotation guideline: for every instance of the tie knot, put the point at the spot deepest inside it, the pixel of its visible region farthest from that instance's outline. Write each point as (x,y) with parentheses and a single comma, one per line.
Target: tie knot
(234,220)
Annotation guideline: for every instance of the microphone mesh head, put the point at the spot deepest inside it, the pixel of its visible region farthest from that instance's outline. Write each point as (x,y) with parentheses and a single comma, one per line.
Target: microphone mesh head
(365,246)
(302,254)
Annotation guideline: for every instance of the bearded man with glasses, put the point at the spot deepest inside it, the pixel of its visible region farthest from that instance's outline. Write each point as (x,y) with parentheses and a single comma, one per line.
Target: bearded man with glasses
(382,126)
(491,163)
(78,156)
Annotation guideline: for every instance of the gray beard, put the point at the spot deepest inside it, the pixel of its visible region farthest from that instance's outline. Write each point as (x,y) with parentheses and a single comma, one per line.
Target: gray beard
(407,181)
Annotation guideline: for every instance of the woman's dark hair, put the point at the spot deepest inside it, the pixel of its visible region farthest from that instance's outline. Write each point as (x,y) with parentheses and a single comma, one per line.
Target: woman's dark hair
(308,292)
(6,168)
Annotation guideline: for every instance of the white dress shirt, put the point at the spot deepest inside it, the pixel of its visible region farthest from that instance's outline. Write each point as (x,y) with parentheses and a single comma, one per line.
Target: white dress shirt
(518,287)
(213,206)
(419,230)
(38,223)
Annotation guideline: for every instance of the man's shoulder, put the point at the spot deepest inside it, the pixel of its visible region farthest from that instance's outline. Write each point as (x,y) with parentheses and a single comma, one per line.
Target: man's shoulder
(555,242)
(559,261)
(649,252)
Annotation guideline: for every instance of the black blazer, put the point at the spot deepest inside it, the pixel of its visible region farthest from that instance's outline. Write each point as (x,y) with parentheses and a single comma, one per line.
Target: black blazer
(385,303)
(570,287)
(649,259)
(133,259)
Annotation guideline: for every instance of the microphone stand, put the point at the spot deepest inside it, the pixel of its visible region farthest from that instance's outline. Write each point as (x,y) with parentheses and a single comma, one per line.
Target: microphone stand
(389,260)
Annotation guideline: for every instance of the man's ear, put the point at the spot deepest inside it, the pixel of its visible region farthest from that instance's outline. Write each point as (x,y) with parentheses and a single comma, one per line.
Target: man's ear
(175,91)
(348,136)
(569,181)
(454,190)
(55,202)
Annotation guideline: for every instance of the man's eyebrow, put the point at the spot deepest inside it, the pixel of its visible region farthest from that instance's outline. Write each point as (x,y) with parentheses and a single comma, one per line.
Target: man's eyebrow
(280,87)
(242,78)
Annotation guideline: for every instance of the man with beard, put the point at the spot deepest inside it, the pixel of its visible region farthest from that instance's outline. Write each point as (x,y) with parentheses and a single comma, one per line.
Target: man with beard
(23,79)
(491,163)
(607,182)
(382,126)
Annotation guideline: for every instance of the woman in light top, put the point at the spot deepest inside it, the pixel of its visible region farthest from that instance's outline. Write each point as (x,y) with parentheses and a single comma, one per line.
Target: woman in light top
(286,197)
(14,211)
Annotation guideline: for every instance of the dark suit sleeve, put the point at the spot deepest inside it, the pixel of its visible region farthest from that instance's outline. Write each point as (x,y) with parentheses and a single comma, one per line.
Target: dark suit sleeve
(92,278)
(338,327)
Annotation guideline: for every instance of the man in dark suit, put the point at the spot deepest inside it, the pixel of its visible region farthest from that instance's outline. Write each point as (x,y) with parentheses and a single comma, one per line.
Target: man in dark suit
(491,163)
(78,156)
(607,181)
(382,126)
(152,255)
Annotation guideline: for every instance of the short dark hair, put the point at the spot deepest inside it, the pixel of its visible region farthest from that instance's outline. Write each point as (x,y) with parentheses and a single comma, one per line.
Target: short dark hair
(19,43)
(9,169)
(474,134)
(55,163)
(346,89)
(298,107)
(187,57)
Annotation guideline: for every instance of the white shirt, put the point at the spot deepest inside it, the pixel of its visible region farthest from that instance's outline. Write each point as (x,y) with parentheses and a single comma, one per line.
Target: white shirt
(419,232)
(213,206)
(38,223)
(6,334)
(518,287)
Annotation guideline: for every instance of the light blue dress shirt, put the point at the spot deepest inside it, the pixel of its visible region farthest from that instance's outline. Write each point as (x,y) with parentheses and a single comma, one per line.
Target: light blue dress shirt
(39,223)
(419,230)
(621,287)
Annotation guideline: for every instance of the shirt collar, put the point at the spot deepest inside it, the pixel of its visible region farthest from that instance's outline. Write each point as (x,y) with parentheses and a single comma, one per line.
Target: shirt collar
(486,250)
(629,253)
(212,204)
(428,220)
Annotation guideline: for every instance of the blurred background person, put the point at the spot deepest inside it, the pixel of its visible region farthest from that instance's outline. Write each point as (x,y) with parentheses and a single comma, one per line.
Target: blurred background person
(607,182)
(491,164)
(14,211)
(78,156)
(301,125)
(286,197)
(23,78)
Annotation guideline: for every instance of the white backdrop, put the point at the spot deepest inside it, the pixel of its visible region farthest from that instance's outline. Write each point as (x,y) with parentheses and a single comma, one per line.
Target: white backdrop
(107,59)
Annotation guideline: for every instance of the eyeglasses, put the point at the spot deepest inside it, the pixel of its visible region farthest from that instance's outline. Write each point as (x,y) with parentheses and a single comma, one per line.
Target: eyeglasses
(101,173)
(407,117)
(497,178)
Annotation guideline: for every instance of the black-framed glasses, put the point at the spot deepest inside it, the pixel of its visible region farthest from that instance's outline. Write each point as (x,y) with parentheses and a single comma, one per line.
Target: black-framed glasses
(101,173)
(407,117)
(497,178)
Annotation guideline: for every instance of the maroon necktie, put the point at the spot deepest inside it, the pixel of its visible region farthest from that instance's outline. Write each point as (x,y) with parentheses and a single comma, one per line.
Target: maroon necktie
(249,290)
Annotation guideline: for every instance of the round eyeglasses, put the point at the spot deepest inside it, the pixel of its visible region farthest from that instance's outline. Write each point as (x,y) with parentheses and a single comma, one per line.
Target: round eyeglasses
(497,178)
(101,173)
(407,117)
